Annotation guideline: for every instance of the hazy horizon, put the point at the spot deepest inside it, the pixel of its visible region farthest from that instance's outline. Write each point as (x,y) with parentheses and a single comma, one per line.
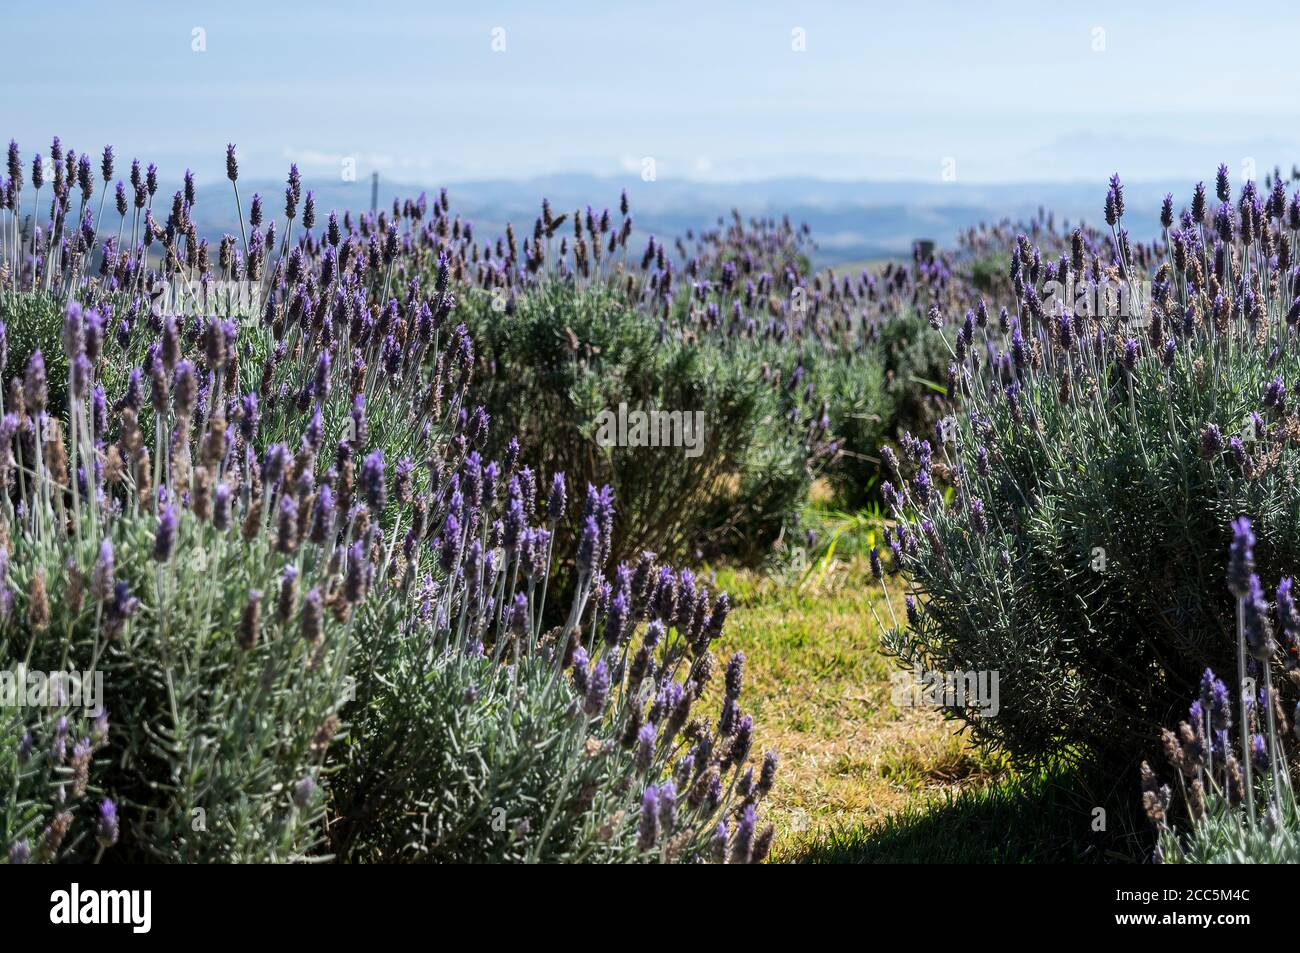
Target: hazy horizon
(875,124)
(1009,93)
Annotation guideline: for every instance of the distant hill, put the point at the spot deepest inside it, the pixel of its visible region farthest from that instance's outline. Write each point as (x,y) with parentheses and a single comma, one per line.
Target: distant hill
(851,221)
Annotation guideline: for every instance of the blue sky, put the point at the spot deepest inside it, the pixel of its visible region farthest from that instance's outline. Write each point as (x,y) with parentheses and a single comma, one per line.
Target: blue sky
(1006,91)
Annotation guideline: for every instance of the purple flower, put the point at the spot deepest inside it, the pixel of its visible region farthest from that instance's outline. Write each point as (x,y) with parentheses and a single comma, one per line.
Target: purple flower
(313,616)
(648,829)
(667,806)
(580,674)
(597,690)
(106,829)
(645,748)
(767,775)
(221,500)
(664,599)
(273,464)
(518,624)
(588,546)
(923,486)
(654,633)
(82,374)
(1130,354)
(1241,557)
(891,462)
(101,577)
(360,430)
(185,389)
(742,845)
(322,524)
(1259,633)
(357,578)
(74,332)
(286,539)
(1287,615)
(555,502)
(735,675)
(718,618)
(164,541)
(34,385)
(1211,441)
(1239,455)
(373,482)
(1274,392)
(123,606)
(321,386)
(616,618)
(1215,692)
(718,842)
(514,524)
(740,743)
(315,435)
(1258,753)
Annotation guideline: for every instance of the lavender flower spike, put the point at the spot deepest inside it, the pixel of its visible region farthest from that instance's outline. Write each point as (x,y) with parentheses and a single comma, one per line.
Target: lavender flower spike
(1241,557)
(165,539)
(107,826)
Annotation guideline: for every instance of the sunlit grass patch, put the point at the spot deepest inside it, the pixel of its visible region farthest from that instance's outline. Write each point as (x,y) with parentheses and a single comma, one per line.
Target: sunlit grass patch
(819,685)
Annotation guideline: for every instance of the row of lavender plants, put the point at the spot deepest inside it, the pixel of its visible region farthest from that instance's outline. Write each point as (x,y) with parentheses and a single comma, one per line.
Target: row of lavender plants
(798,375)
(1065,526)
(244,487)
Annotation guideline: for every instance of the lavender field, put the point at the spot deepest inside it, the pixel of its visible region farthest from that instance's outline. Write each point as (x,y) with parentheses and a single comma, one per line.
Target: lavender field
(344,523)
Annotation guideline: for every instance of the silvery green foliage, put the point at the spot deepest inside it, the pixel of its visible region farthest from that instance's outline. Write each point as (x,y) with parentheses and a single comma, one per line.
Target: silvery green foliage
(1222,836)
(318,612)
(459,757)
(46,764)
(799,374)
(565,355)
(1229,760)
(1068,527)
(202,602)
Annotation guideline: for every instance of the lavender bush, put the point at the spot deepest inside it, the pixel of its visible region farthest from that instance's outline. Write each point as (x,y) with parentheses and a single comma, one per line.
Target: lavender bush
(1097,457)
(1229,762)
(46,764)
(262,513)
(566,356)
(797,374)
